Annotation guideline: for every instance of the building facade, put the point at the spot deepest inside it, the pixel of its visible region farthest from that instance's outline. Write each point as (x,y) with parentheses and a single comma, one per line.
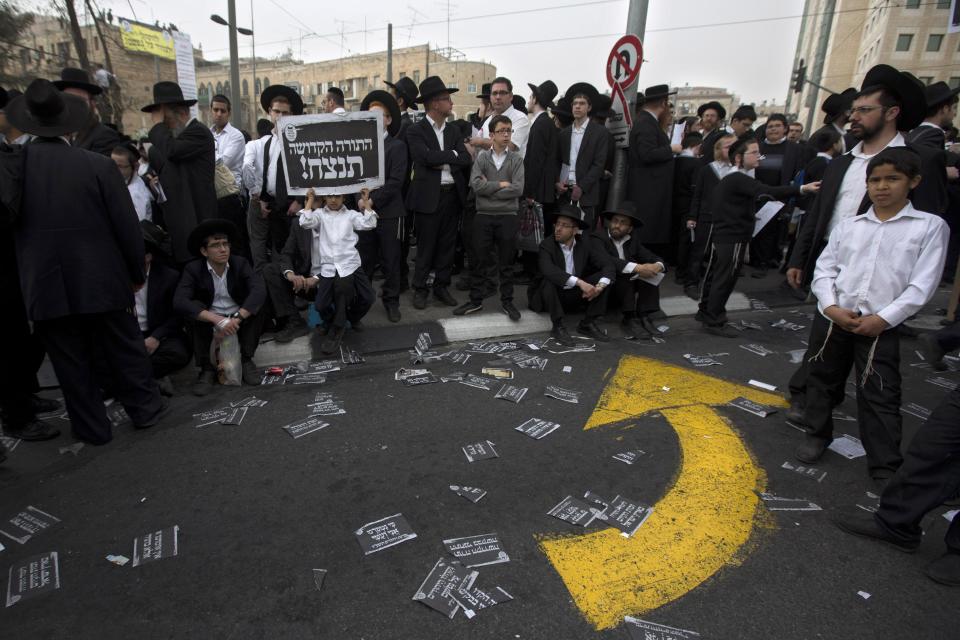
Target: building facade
(688,99)
(840,40)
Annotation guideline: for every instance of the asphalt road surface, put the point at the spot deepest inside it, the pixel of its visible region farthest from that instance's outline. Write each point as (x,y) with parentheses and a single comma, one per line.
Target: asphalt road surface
(258,510)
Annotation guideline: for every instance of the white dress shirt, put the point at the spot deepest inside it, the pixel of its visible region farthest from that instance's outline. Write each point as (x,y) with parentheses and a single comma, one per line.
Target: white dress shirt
(568,264)
(890,268)
(253,165)
(854,185)
(520,123)
(445,176)
(842,132)
(576,139)
(222,303)
(230,149)
(498,158)
(142,198)
(140,303)
(334,249)
(339,110)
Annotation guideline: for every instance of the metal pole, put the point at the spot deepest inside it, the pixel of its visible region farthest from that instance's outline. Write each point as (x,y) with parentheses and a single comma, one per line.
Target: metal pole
(637,25)
(253,88)
(234,64)
(389,52)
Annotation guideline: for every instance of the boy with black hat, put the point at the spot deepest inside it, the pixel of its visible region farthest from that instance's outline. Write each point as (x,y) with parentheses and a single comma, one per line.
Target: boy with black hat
(222,295)
(836,115)
(574,273)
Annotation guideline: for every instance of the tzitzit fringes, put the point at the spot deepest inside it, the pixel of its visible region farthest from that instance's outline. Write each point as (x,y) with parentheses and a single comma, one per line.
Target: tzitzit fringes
(868,369)
(819,354)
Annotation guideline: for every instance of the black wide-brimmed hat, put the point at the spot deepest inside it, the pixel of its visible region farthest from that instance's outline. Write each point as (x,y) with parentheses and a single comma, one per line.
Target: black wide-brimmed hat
(602,108)
(837,103)
(47,112)
(657,92)
(389,102)
(155,240)
(432,86)
(571,211)
(544,93)
(910,91)
(519,104)
(562,108)
(713,104)
(169,94)
(281,91)
(940,93)
(625,208)
(73,78)
(586,89)
(407,89)
(485,90)
(207,228)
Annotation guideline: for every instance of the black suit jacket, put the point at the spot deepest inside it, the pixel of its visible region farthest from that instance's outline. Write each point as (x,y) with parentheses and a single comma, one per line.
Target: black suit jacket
(98,138)
(541,166)
(929,143)
(792,162)
(588,259)
(706,147)
(79,244)
(684,180)
(297,254)
(633,251)
(162,321)
(388,199)
(195,290)
(185,164)
(428,159)
(590,160)
(650,177)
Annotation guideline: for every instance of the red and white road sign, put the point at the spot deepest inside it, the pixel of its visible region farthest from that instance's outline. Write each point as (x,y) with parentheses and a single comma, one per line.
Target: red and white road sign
(624,61)
(619,122)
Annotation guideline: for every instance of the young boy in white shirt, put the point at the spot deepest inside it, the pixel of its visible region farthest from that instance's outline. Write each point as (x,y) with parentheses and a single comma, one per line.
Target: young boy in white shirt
(343,290)
(877,270)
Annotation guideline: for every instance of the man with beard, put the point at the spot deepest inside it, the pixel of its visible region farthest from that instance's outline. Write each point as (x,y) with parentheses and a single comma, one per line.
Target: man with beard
(94,136)
(711,115)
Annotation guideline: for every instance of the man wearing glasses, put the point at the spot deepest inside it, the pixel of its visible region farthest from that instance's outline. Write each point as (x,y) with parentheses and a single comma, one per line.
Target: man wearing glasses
(501,104)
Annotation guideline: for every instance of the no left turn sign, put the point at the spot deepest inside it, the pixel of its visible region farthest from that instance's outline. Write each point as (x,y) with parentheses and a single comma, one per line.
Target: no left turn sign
(624,62)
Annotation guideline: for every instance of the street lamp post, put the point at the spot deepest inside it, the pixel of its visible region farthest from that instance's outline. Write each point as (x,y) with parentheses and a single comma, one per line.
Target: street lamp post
(231,24)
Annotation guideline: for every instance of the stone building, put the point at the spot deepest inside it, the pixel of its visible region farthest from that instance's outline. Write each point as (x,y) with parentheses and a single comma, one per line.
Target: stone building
(841,39)
(688,99)
(355,75)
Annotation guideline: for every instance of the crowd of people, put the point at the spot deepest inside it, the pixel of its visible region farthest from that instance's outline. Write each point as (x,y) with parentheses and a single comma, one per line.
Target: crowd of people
(131,257)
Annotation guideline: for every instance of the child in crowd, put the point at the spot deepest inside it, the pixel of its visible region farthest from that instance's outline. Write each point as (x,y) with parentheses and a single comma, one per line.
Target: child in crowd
(343,290)
(877,270)
(734,218)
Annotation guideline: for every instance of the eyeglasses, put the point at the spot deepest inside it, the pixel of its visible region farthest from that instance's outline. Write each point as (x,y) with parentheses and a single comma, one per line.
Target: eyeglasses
(862,111)
(224,244)
(499,93)
(507,131)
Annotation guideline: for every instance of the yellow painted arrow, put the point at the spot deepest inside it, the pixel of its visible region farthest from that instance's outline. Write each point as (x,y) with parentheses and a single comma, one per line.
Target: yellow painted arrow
(702,522)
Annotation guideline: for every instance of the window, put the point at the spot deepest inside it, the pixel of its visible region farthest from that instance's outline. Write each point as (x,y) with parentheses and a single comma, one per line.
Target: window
(934,41)
(402,75)
(257,87)
(471,88)
(954,82)
(943,4)
(246,87)
(904,40)
(912,4)
(376,82)
(416,77)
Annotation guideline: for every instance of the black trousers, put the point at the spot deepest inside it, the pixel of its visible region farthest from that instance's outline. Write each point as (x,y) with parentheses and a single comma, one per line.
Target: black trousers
(232,208)
(929,475)
(719,281)
(75,343)
(248,335)
(340,299)
(949,337)
(557,300)
(702,237)
(20,357)
(384,246)
(267,235)
(281,292)
(635,297)
(172,355)
(878,397)
(494,247)
(437,241)
(765,246)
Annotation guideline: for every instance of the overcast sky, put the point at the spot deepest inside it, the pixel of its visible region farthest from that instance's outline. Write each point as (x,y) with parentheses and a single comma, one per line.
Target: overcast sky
(753,59)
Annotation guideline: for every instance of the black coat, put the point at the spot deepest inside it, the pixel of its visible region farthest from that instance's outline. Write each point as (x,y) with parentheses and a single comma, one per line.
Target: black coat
(428,159)
(650,178)
(541,166)
(706,147)
(195,290)
(701,204)
(162,320)
(297,254)
(79,244)
(588,259)
(684,181)
(388,199)
(591,160)
(185,164)
(735,205)
(633,251)
(792,162)
(99,138)
(929,143)
(812,172)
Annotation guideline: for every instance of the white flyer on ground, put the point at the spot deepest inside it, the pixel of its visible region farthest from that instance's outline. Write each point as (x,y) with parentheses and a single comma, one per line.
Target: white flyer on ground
(766,214)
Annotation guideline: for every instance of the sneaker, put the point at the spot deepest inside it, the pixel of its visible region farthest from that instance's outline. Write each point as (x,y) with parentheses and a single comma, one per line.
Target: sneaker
(204,384)
(32,431)
(332,342)
(512,312)
(467,308)
(251,374)
(44,405)
(441,294)
(590,329)
(932,353)
(295,328)
(393,314)
(420,299)
(865,525)
(560,334)
(723,330)
(811,450)
(945,569)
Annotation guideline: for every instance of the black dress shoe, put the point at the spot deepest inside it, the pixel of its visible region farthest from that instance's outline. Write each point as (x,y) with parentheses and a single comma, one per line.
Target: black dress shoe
(591,329)
(250,373)
(865,525)
(441,294)
(420,299)
(165,386)
(204,384)
(560,334)
(931,350)
(512,312)
(332,342)
(811,450)
(32,431)
(795,412)
(44,405)
(945,569)
(161,414)
(723,330)
(393,314)
(295,328)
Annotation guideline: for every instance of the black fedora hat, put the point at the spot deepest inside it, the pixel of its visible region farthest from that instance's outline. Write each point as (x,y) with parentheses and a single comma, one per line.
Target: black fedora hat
(47,112)
(155,240)
(73,78)
(584,88)
(544,93)
(940,93)
(837,103)
(519,104)
(657,92)
(910,91)
(562,108)
(407,89)
(602,108)
(389,102)
(713,104)
(485,90)
(167,93)
(625,208)
(571,211)
(432,86)
(207,228)
(281,91)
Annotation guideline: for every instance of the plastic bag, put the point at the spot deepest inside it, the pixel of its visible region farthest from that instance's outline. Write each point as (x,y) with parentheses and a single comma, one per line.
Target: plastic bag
(226,353)
(530,227)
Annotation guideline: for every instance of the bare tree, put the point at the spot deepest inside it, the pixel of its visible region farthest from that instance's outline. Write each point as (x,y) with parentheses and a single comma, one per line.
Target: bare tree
(13,24)
(112,98)
(77,35)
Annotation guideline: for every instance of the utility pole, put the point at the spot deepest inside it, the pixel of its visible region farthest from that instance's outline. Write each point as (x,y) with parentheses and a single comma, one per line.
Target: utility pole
(637,25)
(389,52)
(235,118)
(253,88)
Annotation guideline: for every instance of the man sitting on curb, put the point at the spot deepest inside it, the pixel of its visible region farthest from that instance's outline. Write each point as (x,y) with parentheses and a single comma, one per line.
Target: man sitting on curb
(222,295)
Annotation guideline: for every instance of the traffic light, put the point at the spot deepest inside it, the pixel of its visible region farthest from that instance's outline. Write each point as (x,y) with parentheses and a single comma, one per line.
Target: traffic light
(799,77)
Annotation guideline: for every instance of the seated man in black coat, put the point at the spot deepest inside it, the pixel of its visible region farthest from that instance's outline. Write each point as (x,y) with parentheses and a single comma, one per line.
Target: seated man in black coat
(574,272)
(220,293)
(292,276)
(637,284)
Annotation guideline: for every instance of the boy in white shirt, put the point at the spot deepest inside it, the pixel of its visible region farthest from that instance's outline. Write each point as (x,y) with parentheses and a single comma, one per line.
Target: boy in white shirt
(343,290)
(877,270)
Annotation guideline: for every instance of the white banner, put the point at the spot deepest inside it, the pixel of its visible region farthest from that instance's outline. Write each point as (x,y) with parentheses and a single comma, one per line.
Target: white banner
(186,70)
